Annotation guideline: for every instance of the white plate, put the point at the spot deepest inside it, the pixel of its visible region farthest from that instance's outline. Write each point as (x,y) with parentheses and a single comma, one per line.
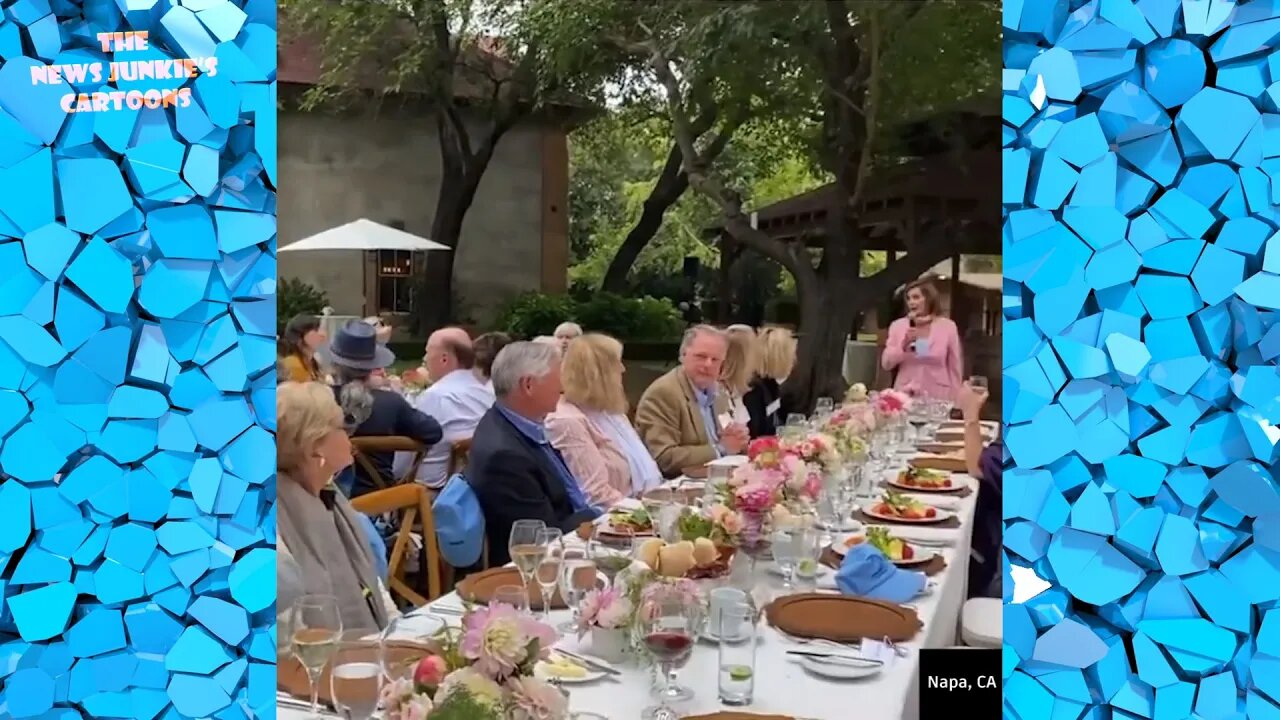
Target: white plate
(837,670)
(922,555)
(541,672)
(942,516)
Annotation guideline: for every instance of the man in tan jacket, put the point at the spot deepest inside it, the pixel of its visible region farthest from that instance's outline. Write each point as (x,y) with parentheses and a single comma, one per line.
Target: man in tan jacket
(683,418)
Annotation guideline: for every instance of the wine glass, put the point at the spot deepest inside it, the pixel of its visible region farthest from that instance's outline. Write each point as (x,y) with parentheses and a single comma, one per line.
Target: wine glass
(611,553)
(523,546)
(824,407)
(316,626)
(548,570)
(669,622)
(795,426)
(513,595)
(579,575)
(355,682)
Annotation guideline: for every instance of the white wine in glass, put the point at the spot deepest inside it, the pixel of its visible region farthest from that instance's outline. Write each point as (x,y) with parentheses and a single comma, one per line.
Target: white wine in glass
(316,626)
(524,549)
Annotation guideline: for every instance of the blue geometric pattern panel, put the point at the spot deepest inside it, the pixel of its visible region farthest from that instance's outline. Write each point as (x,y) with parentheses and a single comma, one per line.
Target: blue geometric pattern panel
(1142,406)
(137,323)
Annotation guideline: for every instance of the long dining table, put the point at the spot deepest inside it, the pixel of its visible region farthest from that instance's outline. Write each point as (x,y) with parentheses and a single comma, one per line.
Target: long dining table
(782,685)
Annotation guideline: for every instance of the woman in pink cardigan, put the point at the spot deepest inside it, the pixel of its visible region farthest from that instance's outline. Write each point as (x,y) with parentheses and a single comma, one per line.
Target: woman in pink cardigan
(590,426)
(923,349)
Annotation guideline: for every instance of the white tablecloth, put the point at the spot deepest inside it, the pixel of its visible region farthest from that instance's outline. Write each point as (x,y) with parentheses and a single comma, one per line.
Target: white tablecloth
(782,686)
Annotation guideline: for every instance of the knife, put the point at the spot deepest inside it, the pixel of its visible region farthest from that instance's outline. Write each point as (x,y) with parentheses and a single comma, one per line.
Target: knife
(594,664)
(849,659)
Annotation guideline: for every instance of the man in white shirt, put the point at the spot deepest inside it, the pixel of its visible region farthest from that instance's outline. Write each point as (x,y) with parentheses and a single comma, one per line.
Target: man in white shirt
(455,398)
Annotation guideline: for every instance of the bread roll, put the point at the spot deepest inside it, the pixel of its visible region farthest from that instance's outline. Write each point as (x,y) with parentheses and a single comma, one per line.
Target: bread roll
(705,552)
(648,553)
(675,560)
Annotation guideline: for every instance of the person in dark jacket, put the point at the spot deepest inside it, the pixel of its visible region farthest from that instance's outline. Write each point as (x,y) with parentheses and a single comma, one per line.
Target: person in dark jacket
(514,470)
(368,411)
(777,354)
(986,465)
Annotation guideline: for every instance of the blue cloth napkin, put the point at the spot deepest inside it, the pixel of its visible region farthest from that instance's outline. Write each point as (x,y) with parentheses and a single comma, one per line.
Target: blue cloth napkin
(866,572)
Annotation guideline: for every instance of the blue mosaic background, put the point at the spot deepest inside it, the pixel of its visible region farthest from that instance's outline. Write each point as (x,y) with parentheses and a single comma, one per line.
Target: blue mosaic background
(1142,393)
(137,323)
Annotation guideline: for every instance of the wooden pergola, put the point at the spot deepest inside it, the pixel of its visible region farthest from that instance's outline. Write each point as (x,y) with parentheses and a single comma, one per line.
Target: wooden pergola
(950,184)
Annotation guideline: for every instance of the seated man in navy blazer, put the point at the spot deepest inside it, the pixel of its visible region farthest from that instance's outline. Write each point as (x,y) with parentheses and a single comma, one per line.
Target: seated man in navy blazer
(514,471)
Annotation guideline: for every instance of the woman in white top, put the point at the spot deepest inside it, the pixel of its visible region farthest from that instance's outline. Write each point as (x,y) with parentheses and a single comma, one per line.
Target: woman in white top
(741,359)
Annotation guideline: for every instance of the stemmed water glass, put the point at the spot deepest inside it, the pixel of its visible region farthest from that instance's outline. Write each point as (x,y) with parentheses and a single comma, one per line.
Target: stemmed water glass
(548,570)
(823,409)
(355,682)
(316,626)
(526,552)
(611,553)
(669,623)
(579,575)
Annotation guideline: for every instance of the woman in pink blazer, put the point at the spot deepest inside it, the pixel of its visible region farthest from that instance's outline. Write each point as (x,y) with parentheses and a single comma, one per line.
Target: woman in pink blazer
(923,348)
(590,426)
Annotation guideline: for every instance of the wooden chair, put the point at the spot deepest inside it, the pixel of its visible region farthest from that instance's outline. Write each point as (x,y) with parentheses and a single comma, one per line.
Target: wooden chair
(458,454)
(412,502)
(364,447)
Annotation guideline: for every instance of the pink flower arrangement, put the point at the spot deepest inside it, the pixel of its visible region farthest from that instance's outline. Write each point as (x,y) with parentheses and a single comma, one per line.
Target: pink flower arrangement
(765,452)
(532,699)
(607,609)
(756,497)
(891,403)
(499,640)
(484,670)
(816,449)
(727,519)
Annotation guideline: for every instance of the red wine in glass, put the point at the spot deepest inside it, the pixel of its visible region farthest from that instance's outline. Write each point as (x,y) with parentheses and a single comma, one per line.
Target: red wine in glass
(669,647)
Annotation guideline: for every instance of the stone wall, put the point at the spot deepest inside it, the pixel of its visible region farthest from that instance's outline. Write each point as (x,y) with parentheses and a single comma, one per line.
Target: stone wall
(385,166)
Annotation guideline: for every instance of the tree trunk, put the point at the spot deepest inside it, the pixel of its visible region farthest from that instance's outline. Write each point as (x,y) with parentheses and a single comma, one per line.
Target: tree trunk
(664,195)
(827,308)
(434,303)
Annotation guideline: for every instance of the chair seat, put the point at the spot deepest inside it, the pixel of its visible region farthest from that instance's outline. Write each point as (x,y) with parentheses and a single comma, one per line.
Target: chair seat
(981,621)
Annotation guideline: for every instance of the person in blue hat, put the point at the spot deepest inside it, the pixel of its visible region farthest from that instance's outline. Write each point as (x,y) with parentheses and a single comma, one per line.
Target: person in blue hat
(368,411)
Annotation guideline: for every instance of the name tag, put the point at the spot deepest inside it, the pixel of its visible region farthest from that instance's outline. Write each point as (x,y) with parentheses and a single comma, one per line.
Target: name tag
(773,408)
(922,346)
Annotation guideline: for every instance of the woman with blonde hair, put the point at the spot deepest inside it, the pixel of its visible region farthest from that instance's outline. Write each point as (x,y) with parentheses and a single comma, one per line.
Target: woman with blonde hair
(590,426)
(764,400)
(740,361)
(317,527)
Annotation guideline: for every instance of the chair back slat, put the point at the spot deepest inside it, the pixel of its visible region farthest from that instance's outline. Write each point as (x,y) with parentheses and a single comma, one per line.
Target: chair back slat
(363,447)
(413,504)
(459,452)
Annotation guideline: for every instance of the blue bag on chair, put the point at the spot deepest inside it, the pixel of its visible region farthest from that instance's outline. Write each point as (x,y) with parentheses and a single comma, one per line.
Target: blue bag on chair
(459,523)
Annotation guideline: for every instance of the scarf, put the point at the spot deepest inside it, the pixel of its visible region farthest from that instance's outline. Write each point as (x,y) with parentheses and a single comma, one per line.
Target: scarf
(333,557)
(645,474)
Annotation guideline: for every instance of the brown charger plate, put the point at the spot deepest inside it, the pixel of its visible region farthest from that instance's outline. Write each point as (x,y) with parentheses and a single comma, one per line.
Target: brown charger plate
(480,587)
(950,523)
(936,564)
(841,618)
(939,462)
(291,676)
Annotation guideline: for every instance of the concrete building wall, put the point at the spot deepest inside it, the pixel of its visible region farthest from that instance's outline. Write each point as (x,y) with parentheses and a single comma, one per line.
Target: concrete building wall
(385,166)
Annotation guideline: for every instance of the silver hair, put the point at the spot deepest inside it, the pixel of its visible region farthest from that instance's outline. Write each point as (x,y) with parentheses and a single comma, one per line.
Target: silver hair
(521,360)
(692,334)
(355,397)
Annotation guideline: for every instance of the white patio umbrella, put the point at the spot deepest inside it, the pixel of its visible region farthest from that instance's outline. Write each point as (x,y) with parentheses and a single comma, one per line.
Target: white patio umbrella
(364,234)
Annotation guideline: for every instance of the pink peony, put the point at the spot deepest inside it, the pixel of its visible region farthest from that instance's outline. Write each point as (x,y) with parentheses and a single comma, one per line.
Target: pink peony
(755,497)
(419,707)
(731,522)
(497,639)
(764,451)
(534,699)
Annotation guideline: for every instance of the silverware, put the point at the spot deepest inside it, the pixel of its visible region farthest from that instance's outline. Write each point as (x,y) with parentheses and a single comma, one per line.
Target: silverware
(288,701)
(838,659)
(446,610)
(593,664)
